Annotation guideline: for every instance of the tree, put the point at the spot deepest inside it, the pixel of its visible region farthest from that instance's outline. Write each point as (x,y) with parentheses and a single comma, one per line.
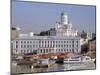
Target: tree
(84,48)
(44,33)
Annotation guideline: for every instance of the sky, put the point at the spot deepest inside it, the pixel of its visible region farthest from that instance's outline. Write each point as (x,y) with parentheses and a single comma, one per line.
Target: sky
(36,17)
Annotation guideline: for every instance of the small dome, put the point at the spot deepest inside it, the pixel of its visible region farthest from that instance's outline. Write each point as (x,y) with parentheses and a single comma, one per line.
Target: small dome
(64,13)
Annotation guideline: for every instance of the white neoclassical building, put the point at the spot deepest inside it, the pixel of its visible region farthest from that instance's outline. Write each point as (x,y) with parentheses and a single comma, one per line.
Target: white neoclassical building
(46,44)
(64,40)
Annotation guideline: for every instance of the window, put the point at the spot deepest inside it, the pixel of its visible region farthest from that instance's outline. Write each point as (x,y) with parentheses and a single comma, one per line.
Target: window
(53,41)
(67,45)
(46,50)
(56,45)
(21,41)
(56,41)
(61,41)
(42,45)
(49,50)
(41,51)
(59,50)
(64,45)
(24,46)
(72,50)
(53,45)
(50,45)
(24,41)
(72,45)
(16,46)
(77,41)
(77,45)
(27,46)
(61,45)
(39,41)
(16,42)
(30,41)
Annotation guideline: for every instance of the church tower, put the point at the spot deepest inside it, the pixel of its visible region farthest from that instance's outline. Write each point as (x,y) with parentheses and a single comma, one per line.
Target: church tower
(64,18)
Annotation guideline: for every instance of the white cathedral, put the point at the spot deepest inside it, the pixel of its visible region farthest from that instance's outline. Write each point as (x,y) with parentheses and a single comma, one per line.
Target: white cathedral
(65,28)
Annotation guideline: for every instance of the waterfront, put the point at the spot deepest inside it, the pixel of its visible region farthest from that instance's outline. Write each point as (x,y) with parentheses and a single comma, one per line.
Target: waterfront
(53,68)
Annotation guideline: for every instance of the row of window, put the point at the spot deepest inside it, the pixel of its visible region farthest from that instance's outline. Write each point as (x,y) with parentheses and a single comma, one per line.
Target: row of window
(48,50)
(47,42)
(27,42)
(35,46)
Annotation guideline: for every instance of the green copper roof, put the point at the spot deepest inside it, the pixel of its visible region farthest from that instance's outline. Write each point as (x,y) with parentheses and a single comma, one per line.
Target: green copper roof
(64,13)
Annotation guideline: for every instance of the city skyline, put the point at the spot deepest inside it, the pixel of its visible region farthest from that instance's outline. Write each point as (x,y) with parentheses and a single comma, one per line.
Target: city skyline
(36,17)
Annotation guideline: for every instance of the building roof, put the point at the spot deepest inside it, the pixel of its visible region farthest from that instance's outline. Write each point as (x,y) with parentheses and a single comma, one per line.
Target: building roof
(46,37)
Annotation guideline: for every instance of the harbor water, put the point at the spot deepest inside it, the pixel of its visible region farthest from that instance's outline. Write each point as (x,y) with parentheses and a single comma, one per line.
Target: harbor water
(55,67)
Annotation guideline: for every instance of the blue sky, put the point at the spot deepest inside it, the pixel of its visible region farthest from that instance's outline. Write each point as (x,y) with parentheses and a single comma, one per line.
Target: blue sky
(32,16)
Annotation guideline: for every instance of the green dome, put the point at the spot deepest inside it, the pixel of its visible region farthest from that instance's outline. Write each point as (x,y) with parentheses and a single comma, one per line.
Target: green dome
(64,13)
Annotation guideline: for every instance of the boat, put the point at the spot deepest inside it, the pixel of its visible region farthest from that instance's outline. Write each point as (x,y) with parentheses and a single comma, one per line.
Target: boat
(43,63)
(78,59)
(87,59)
(73,59)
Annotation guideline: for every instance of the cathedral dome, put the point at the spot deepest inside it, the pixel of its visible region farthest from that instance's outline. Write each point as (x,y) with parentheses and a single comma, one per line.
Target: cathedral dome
(64,13)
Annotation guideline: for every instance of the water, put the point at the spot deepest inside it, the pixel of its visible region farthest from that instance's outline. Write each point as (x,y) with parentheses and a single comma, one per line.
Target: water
(55,67)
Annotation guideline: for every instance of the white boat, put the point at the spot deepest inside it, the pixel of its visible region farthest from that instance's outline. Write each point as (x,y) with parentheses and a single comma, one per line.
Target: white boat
(86,59)
(73,59)
(77,59)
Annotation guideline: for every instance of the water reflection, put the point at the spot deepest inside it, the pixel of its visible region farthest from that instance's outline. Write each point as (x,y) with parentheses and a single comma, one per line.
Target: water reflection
(55,67)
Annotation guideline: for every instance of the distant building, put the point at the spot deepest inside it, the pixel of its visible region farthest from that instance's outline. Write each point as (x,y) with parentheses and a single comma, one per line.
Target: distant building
(92,44)
(31,34)
(14,33)
(92,47)
(89,36)
(83,41)
(52,32)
